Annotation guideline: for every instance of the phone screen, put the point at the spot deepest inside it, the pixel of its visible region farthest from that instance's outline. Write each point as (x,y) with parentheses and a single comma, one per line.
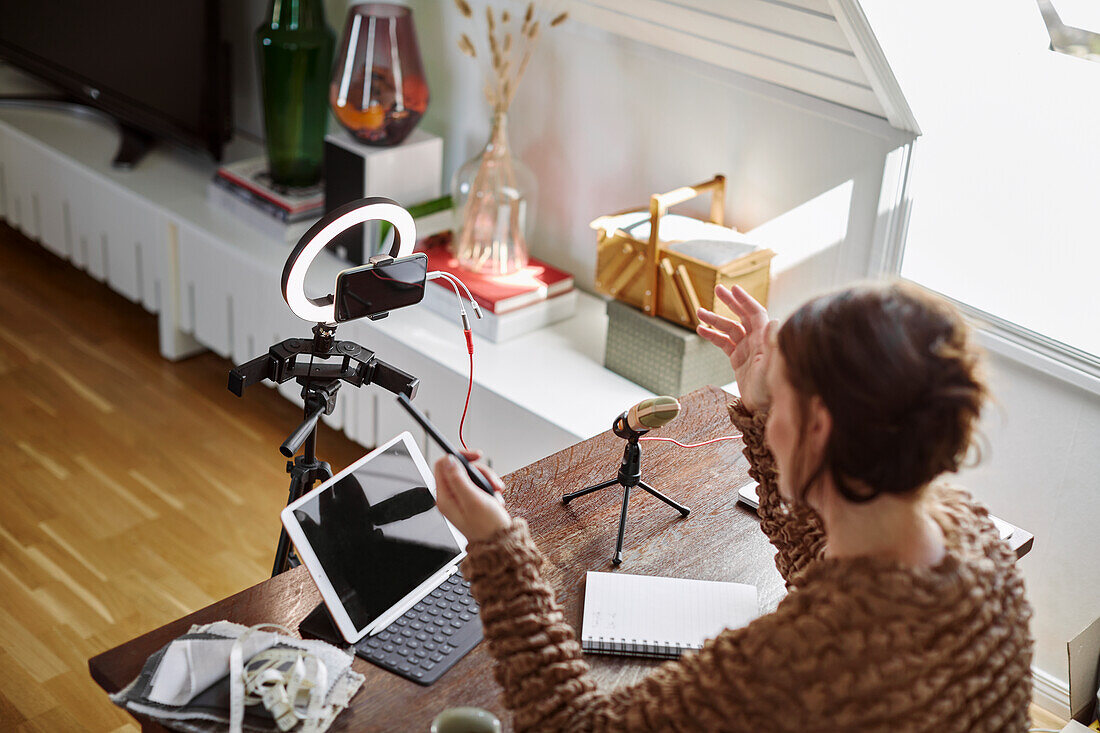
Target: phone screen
(373,289)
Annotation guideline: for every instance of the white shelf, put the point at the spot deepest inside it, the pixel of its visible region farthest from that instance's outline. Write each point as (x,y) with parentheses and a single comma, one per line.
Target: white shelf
(214,281)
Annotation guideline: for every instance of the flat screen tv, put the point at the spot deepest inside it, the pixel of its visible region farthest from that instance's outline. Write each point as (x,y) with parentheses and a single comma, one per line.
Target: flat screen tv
(160,68)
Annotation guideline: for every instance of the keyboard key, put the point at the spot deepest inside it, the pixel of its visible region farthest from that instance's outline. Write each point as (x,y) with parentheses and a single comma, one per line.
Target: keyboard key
(405,667)
(388,647)
(448,615)
(418,674)
(447,630)
(465,616)
(412,644)
(406,632)
(446,648)
(433,610)
(410,613)
(416,625)
(373,643)
(430,645)
(427,664)
(424,618)
(421,636)
(401,621)
(457,624)
(421,653)
(438,638)
(436,657)
(437,593)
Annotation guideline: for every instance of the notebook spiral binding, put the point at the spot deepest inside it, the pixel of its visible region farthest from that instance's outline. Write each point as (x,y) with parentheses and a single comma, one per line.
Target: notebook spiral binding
(635,647)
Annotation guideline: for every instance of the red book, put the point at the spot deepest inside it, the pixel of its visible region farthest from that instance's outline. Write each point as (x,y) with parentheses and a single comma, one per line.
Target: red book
(251,177)
(497,294)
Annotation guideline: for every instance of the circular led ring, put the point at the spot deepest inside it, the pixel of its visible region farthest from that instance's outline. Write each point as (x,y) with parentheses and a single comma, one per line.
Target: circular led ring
(331,225)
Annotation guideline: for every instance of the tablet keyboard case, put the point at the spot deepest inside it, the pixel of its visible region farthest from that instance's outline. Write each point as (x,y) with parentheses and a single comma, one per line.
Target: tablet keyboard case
(422,644)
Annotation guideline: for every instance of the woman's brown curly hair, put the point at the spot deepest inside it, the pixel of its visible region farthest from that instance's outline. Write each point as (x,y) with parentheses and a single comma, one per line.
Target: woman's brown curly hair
(895,367)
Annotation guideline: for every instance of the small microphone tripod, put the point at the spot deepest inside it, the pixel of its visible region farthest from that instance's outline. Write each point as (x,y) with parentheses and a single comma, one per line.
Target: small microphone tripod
(629,476)
(320,383)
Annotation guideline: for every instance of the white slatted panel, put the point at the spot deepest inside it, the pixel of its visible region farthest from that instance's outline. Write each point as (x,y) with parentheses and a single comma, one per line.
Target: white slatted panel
(814,25)
(797,45)
(817,6)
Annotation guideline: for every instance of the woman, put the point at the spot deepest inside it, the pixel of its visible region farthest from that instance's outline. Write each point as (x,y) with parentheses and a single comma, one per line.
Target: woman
(905,610)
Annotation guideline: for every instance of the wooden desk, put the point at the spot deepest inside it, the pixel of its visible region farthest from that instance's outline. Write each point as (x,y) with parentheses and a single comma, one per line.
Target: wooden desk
(720,540)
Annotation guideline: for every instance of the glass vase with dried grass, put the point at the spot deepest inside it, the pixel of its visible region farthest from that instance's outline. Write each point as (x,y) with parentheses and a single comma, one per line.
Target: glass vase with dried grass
(494,193)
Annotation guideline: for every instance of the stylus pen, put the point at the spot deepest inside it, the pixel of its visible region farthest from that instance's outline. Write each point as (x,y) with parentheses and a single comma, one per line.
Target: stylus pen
(475,475)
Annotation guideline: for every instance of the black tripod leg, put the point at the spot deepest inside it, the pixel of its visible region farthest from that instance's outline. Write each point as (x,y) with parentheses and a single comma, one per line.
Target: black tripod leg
(302,479)
(282,555)
(570,497)
(618,559)
(684,511)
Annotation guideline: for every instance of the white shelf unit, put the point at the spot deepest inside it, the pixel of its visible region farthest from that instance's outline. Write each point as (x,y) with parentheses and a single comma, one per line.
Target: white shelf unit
(214,282)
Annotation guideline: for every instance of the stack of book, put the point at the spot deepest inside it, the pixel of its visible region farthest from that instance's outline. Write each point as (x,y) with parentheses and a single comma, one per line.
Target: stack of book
(512,305)
(245,188)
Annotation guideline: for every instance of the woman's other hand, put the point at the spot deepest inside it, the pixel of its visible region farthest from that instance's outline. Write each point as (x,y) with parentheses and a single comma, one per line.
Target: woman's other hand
(748,344)
(473,512)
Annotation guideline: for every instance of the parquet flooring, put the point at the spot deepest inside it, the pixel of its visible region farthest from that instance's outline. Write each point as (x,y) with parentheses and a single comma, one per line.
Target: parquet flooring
(136,490)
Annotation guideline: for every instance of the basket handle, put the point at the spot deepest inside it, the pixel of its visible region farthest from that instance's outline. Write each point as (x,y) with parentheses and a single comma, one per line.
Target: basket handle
(659,204)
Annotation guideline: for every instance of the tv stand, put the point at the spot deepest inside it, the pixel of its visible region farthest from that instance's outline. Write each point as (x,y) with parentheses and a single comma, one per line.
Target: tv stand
(133,143)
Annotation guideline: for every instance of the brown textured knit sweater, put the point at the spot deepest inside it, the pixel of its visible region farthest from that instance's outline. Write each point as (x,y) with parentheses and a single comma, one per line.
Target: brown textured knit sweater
(858,644)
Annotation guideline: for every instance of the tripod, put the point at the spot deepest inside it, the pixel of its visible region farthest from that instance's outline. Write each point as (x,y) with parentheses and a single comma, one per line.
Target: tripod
(320,384)
(629,476)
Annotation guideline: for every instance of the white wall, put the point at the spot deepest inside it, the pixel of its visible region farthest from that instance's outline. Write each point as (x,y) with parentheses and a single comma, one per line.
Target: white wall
(604,122)
(1043,473)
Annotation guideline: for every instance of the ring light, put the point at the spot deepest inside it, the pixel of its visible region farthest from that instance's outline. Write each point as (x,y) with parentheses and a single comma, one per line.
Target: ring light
(332,224)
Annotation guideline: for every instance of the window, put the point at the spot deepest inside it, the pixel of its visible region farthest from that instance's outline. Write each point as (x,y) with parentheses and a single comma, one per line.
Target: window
(1003,186)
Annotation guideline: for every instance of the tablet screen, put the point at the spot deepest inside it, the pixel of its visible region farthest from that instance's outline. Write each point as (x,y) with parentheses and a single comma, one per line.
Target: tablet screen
(377,533)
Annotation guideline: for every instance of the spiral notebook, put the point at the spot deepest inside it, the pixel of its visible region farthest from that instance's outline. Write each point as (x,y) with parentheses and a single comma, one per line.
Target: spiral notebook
(645,616)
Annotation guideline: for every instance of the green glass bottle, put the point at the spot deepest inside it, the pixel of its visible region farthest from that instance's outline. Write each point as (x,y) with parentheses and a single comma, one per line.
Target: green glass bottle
(295,59)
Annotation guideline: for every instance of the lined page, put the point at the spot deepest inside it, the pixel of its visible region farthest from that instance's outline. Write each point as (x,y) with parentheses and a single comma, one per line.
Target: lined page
(646,611)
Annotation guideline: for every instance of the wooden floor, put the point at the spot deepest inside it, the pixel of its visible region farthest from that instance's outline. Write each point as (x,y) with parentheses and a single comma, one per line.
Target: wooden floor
(137,490)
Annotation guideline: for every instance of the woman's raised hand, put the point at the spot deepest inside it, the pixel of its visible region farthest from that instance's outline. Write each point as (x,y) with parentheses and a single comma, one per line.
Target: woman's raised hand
(748,344)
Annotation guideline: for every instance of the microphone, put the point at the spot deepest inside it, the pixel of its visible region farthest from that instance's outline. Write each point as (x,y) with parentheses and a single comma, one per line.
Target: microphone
(647,415)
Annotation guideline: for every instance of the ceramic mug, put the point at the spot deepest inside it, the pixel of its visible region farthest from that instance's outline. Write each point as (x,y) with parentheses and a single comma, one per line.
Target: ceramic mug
(466,720)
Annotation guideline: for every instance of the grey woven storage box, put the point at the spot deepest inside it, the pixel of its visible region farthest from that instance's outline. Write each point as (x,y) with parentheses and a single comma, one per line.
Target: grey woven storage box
(659,356)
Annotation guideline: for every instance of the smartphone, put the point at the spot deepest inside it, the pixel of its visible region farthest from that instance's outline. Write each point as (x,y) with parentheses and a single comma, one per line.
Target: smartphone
(373,290)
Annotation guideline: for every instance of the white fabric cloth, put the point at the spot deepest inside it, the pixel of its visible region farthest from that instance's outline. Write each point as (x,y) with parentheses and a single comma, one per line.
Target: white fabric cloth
(189,684)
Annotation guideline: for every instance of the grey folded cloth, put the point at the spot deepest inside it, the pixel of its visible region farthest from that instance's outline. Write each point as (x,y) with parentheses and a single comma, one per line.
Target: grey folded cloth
(185,685)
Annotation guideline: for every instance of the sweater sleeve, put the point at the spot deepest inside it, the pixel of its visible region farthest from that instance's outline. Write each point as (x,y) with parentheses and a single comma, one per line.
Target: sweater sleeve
(546,681)
(795,530)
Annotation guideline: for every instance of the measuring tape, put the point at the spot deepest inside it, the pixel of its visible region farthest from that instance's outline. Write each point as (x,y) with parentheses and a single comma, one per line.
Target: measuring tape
(290,683)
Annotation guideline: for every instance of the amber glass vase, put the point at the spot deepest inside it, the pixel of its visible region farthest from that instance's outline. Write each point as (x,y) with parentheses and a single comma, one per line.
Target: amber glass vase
(295,54)
(379,91)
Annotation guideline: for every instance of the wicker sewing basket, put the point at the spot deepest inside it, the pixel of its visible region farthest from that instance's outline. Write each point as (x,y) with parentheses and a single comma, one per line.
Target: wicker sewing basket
(659,281)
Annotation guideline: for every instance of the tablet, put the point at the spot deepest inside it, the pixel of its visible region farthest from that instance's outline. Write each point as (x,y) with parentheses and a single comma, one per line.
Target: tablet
(373,539)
